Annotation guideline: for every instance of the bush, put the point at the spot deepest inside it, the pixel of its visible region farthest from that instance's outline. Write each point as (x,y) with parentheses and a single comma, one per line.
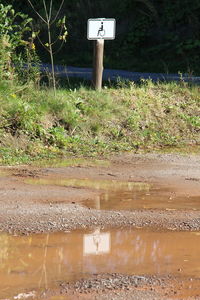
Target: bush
(16,45)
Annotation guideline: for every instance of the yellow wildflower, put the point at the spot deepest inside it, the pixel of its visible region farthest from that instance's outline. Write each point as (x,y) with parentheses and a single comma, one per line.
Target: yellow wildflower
(32,46)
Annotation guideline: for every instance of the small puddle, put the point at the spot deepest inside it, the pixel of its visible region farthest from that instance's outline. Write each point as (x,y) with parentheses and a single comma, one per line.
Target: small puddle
(33,263)
(108,185)
(71,162)
(122,195)
(142,199)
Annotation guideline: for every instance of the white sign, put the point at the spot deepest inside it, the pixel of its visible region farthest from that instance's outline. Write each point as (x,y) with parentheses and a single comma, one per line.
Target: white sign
(101,29)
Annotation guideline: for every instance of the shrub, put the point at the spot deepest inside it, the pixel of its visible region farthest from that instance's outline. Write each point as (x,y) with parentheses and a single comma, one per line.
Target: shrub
(16,45)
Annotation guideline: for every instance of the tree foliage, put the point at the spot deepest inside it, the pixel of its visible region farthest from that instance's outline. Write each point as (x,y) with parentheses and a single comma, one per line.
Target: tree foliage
(14,27)
(152,35)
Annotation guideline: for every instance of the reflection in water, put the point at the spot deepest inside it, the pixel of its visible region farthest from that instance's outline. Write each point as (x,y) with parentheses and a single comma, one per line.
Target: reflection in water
(142,199)
(41,261)
(108,185)
(124,195)
(96,243)
(57,163)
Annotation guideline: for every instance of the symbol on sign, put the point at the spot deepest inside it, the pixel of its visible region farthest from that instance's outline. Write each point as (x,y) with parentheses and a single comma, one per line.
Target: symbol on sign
(101,31)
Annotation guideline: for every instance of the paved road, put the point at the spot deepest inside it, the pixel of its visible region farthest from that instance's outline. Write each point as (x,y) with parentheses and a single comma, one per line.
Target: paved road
(109,74)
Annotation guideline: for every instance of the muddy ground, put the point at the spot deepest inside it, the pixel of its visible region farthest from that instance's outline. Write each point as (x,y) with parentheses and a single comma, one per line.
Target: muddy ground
(28,205)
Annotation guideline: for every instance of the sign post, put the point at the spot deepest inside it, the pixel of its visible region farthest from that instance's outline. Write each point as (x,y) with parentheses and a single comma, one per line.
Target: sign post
(99,30)
(97,74)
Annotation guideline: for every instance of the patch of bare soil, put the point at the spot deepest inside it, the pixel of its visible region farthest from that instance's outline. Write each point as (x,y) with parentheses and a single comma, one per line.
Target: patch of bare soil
(121,287)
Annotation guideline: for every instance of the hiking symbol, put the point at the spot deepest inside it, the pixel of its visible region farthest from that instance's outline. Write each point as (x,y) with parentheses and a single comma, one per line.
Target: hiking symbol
(101,31)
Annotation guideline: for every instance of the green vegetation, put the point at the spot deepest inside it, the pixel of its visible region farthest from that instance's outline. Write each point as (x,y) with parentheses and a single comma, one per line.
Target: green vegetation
(151,35)
(35,124)
(50,20)
(16,46)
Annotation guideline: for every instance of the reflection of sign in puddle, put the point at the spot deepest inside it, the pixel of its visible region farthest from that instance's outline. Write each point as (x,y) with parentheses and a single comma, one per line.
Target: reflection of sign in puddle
(96,243)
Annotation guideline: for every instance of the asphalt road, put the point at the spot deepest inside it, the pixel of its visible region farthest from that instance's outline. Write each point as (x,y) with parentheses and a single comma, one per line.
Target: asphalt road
(113,75)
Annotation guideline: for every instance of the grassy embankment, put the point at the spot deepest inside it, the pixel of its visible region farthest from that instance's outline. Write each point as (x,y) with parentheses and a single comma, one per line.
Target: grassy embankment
(34,124)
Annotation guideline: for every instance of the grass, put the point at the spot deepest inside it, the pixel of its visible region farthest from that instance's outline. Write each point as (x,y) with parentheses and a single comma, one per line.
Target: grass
(34,124)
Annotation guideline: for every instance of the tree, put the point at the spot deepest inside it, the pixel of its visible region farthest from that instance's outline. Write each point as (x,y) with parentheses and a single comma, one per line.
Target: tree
(49,20)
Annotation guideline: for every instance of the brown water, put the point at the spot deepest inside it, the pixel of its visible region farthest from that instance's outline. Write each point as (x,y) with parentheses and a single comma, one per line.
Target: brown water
(36,262)
(122,195)
(143,199)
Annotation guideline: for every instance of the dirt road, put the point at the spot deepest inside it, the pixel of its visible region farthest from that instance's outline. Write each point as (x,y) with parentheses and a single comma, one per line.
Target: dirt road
(155,191)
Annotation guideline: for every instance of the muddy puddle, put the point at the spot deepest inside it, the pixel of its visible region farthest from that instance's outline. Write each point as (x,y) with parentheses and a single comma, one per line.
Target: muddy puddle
(151,199)
(34,263)
(108,185)
(71,162)
(124,195)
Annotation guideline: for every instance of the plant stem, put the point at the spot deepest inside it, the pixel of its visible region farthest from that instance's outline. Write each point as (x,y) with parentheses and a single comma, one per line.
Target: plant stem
(52,60)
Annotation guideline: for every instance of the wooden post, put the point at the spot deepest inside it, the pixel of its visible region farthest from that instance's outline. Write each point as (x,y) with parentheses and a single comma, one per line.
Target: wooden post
(98,64)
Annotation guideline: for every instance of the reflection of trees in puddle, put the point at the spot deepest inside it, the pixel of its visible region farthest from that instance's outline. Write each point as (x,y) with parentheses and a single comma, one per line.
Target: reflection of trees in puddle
(111,185)
(43,267)
(56,163)
(3,248)
(4,255)
(138,250)
(42,270)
